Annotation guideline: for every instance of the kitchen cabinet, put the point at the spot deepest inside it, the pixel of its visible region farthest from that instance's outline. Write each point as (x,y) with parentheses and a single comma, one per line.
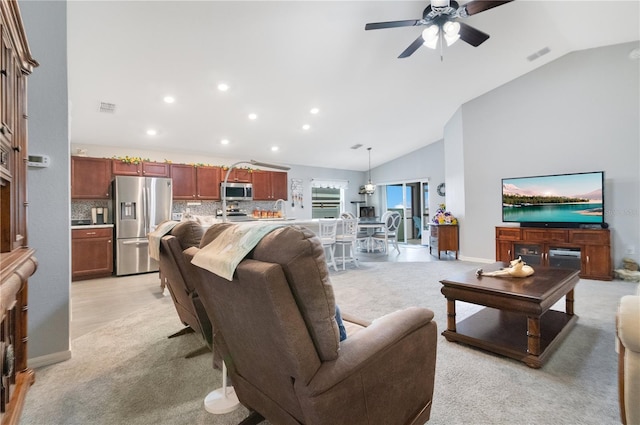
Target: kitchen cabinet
(239,175)
(145,169)
(443,237)
(91,252)
(90,178)
(588,250)
(269,185)
(208,183)
(184,181)
(17,260)
(195,183)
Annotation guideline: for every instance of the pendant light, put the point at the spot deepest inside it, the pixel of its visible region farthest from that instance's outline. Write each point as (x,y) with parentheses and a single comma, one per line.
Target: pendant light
(369,188)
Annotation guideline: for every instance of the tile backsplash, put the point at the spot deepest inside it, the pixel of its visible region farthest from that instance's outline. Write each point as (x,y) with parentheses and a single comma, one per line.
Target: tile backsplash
(81,209)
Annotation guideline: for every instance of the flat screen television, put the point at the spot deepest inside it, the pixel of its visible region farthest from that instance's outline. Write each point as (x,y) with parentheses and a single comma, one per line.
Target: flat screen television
(559,200)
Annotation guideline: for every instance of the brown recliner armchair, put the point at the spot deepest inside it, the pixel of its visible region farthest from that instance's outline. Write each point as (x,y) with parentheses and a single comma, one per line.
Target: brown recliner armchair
(628,347)
(275,327)
(179,277)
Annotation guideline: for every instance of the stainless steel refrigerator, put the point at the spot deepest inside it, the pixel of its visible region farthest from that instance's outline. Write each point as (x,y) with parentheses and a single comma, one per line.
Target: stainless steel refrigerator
(140,204)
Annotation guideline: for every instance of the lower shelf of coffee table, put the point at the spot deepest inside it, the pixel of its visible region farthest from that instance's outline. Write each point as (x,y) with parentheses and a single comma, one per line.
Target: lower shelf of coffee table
(505,333)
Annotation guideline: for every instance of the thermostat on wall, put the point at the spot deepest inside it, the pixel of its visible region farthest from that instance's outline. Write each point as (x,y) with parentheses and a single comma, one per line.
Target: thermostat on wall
(38,161)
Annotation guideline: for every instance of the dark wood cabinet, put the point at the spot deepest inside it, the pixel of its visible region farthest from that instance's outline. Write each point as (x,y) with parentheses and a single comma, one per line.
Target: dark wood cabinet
(91,253)
(90,178)
(143,169)
(184,181)
(269,185)
(588,250)
(208,183)
(240,175)
(443,237)
(195,183)
(17,261)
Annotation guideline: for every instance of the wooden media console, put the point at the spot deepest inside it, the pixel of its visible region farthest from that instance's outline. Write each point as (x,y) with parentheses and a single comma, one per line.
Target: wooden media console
(587,250)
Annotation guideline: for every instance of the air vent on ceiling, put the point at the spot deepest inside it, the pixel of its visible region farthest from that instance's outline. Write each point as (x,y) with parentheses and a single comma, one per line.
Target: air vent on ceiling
(634,54)
(107,107)
(358,146)
(539,53)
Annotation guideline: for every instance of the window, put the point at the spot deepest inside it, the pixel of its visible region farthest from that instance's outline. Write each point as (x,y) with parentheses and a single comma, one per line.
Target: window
(327,198)
(325,202)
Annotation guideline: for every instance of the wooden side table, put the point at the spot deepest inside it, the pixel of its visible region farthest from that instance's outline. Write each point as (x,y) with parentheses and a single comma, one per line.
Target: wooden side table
(443,237)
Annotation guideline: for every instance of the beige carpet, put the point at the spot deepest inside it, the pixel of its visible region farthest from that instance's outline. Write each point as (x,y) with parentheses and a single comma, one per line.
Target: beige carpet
(128,372)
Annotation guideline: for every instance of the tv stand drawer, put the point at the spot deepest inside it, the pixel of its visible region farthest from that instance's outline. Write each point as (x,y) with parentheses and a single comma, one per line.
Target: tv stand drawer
(591,237)
(545,235)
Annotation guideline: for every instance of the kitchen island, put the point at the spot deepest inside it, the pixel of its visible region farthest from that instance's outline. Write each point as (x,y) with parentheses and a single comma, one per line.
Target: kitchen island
(207,221)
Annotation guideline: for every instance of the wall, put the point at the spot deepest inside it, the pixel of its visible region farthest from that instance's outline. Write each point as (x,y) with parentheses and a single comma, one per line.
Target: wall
(426,163)
(578,113)
(48,188)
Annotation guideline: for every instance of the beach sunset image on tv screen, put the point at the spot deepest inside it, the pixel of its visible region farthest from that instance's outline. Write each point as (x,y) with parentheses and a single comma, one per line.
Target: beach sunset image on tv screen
(563,198)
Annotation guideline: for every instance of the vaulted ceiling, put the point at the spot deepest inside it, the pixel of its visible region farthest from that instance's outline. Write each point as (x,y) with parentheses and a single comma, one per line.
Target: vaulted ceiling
(282,58)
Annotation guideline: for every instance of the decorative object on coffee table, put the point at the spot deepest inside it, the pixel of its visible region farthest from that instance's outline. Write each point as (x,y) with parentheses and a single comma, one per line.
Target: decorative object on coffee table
(517,268)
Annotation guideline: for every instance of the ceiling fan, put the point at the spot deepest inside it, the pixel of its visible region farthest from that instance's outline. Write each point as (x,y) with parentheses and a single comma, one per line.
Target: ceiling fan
(441,21)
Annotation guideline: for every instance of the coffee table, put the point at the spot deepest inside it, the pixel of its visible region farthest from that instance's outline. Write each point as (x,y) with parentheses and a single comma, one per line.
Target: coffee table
(518,321)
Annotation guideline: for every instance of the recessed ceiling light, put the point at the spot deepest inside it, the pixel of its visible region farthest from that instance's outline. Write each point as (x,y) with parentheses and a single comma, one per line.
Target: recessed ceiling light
(274,148)
(223,86)
(152,132)
(169,99)
(306,127)
(224,141)
(314,110)
(253,116)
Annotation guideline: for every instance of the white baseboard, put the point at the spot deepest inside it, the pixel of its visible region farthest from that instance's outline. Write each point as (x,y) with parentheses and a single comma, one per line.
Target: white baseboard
(49,359)
(475,259)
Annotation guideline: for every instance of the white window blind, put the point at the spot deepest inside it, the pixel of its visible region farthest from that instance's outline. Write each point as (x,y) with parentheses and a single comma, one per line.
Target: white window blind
(330,184)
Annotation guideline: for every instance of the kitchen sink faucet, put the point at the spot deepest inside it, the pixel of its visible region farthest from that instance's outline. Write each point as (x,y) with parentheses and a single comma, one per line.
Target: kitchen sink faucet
(282,207)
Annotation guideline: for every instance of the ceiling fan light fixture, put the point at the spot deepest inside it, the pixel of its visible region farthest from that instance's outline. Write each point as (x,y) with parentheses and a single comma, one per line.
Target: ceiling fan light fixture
(430,36)
(451,30)
(450,39)
(438,5)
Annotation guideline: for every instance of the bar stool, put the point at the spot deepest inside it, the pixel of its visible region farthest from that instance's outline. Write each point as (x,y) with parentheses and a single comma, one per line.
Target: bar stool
(327,234)
(347,238)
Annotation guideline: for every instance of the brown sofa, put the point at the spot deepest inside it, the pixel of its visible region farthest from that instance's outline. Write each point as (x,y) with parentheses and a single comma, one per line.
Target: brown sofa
(179,277)
(276,329)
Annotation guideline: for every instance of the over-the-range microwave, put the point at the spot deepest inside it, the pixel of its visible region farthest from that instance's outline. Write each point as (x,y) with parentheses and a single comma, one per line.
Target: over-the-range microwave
(237,191)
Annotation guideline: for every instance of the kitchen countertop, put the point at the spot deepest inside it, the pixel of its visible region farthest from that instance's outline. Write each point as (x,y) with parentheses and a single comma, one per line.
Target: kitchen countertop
(92,226)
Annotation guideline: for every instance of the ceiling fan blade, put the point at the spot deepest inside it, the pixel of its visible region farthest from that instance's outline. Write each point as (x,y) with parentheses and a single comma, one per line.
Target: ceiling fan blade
(471,35)
(392,24)
(477,6)
(412,48)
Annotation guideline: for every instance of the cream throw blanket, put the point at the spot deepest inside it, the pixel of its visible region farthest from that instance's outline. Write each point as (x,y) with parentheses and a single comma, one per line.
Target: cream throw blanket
(155,236)
(225,252)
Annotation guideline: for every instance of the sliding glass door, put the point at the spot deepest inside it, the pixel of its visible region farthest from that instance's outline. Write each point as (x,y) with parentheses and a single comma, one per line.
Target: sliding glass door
(411,200)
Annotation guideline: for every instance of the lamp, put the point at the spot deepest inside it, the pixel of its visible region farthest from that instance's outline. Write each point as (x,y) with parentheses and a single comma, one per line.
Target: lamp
(430,35)
(224,399)
(450,31)
(369,188)
(226,178)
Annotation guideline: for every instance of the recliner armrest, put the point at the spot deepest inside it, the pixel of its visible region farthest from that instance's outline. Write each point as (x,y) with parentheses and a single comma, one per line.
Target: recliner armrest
(629,322)
(360,350)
